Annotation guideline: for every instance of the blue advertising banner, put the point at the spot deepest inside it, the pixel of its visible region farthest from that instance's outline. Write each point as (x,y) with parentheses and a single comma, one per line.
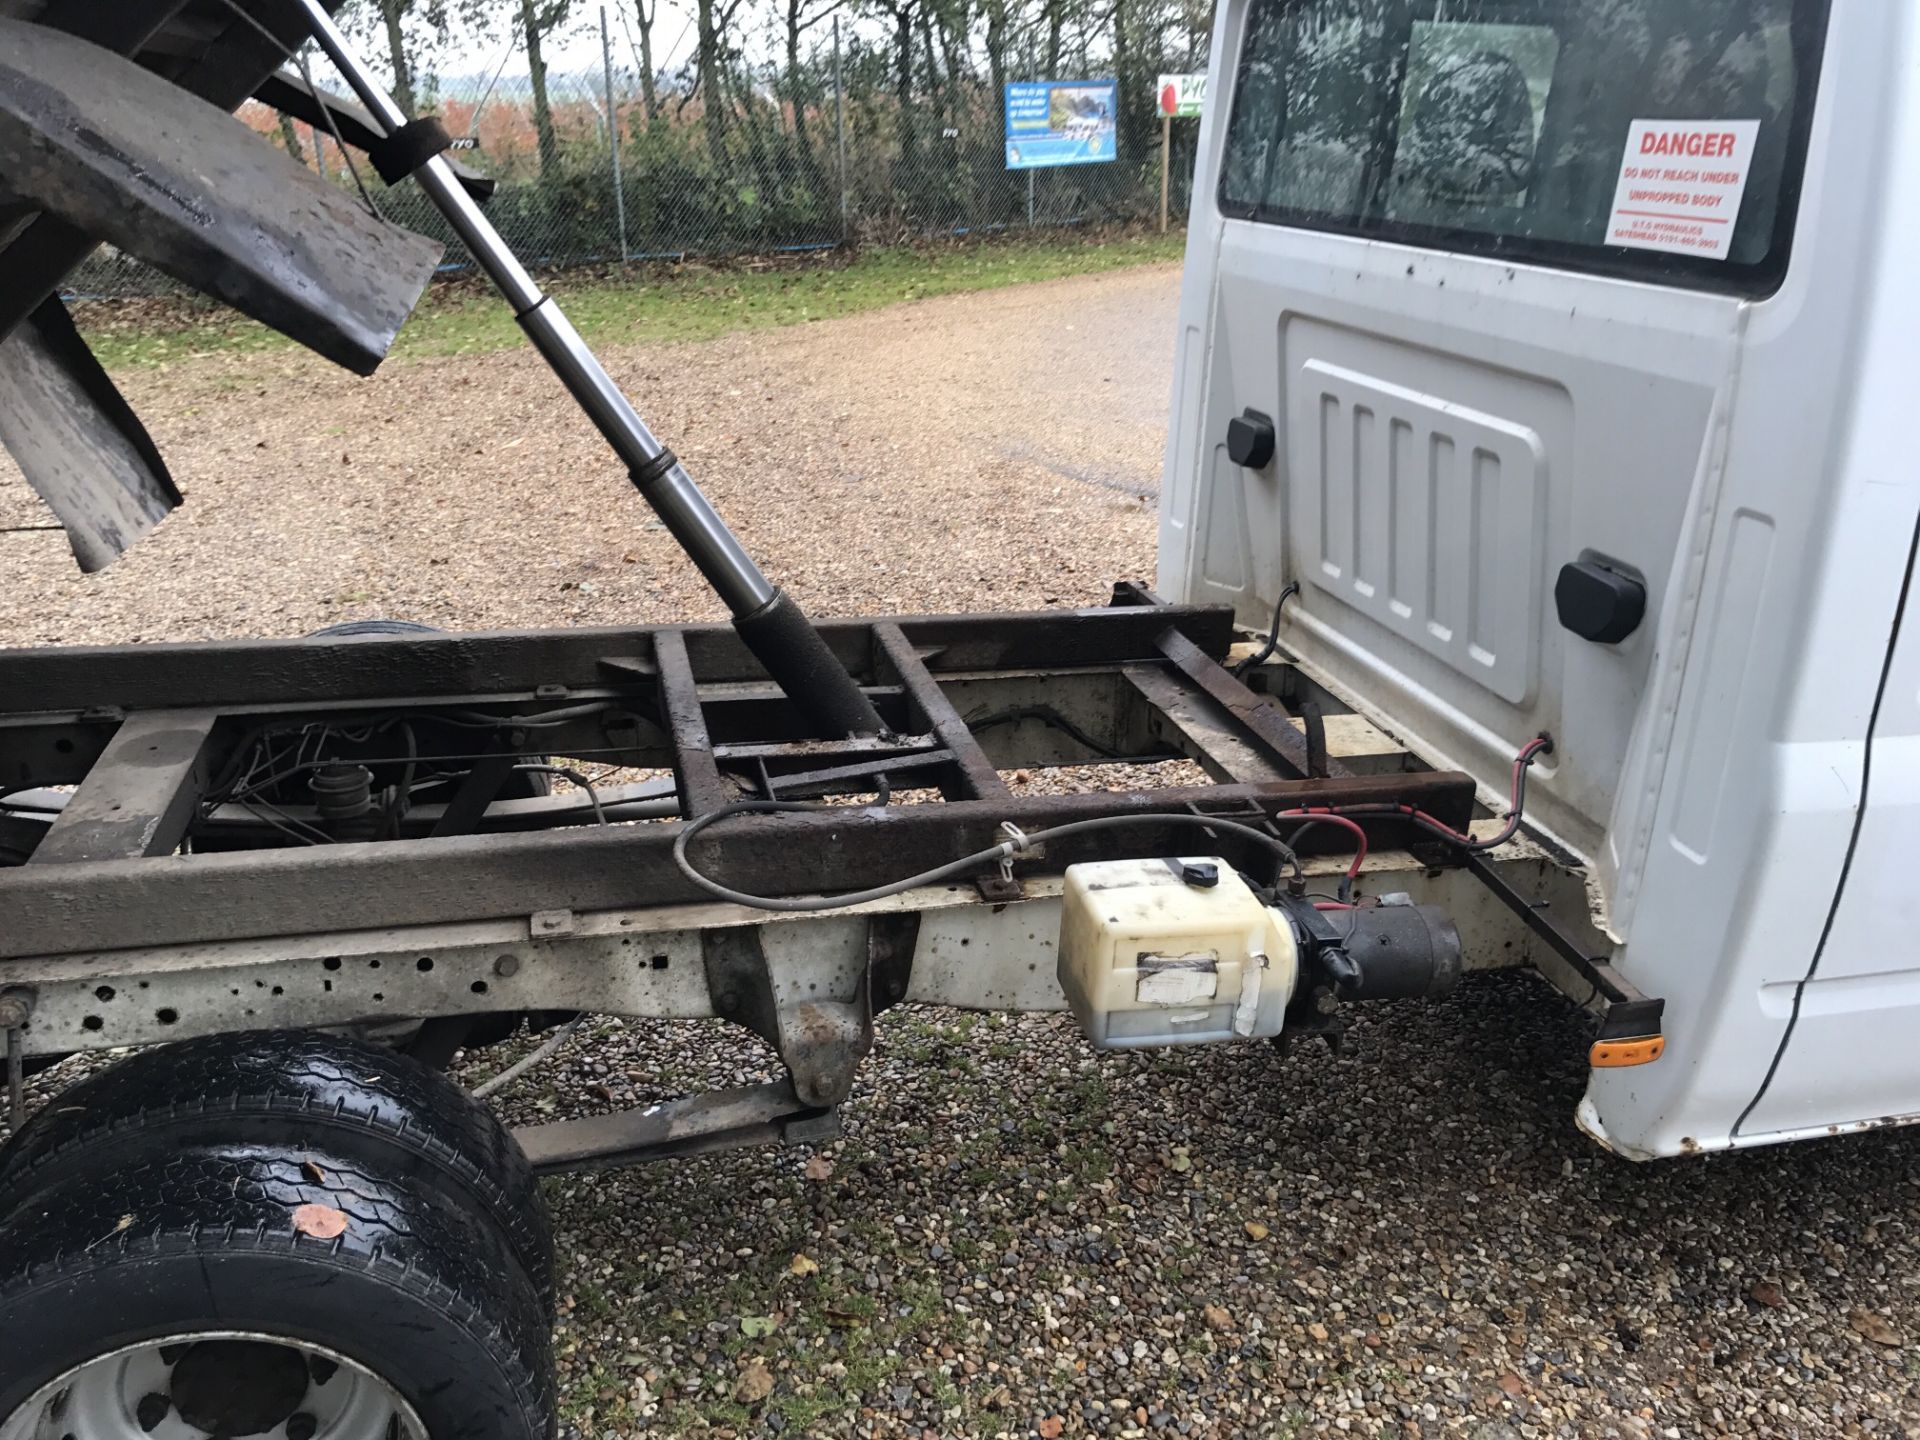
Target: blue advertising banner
(1060,122)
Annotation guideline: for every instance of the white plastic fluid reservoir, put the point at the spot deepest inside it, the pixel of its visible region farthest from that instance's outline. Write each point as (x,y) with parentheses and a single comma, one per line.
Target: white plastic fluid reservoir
(1172,952)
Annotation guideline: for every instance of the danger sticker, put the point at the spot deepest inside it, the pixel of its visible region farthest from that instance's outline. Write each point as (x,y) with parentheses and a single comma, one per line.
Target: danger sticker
(1680,185)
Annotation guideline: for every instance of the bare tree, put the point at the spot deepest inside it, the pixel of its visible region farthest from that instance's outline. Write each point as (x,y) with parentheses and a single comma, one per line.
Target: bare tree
(801,16)
(412,33)
(902,13)
(711,23)
(392,12)
(649,91)
(998,16)
(955,21)
(539,19)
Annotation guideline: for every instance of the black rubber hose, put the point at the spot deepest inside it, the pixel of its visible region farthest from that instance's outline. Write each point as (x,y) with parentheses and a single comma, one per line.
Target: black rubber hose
(784,640)
(1265,652)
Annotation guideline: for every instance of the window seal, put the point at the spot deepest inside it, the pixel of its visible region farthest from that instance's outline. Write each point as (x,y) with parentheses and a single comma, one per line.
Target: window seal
(1756,281)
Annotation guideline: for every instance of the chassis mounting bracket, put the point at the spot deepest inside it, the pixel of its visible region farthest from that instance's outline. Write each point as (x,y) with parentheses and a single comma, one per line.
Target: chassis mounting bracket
(821,1041)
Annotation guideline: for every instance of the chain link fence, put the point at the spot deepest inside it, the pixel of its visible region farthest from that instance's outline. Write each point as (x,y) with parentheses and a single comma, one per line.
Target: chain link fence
(595,168)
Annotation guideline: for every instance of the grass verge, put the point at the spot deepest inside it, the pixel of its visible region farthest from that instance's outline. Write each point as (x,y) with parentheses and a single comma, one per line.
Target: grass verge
(648,302)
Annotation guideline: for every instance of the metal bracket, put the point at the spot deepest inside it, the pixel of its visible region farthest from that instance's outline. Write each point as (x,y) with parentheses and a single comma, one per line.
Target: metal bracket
(16,1008)
(470,800)
(1313,1012)
(543,924)
(1325,945)
(1000,889)
(692,1125)
(821,1042)
(1625,1013)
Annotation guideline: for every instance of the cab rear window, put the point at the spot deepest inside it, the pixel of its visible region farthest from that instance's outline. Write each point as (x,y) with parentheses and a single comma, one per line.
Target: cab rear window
(1656,139)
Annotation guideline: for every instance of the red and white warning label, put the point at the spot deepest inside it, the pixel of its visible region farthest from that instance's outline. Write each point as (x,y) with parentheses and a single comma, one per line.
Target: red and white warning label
(1680,185)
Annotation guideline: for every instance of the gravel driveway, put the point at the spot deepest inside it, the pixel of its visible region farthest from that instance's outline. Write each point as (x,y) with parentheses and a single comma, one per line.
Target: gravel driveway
(1016,1237)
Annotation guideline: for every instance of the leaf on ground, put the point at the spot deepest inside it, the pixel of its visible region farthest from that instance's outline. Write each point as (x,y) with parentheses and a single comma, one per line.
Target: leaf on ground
(1180,1162)
(756,1327)
(845,1319)
(755,1383)
(1257,1231)
(803,1265)
(1217,1317)
(1876,1328)
(313,1173)
(819,1167)
(1051,1427)
(322,1222)
(1512,1384)
(1766,1293)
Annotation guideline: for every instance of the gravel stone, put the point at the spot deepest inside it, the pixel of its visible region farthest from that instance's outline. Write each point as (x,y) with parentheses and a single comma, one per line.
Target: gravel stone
(1016,1236)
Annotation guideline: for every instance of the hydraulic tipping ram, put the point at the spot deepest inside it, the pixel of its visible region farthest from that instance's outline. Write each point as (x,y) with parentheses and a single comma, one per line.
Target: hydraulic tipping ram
(772,625)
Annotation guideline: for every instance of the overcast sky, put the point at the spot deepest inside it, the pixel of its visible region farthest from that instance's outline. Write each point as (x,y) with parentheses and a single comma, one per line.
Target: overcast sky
(465,68)
(575,50)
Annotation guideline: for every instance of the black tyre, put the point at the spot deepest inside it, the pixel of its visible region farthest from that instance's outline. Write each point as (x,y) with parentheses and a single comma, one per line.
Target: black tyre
(380,626)
(292,1090)
(250,1291)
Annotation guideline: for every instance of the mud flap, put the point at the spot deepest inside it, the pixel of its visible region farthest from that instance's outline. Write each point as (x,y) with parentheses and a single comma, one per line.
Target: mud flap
(77,441)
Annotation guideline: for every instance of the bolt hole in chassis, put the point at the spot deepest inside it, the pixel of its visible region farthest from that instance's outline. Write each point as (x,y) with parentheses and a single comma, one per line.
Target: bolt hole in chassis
(355,833)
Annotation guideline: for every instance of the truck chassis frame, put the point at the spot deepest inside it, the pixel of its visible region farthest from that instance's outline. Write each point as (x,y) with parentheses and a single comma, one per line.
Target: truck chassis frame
(113,938)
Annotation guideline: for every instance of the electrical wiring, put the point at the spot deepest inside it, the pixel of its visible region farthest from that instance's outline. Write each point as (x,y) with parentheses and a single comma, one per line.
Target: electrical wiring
(269,756)
(545,719)
(573,777)
(306,834)
(1319,815)
(1017,844)
(400,797)
(1351,816)
(1265,652)
(1516,805)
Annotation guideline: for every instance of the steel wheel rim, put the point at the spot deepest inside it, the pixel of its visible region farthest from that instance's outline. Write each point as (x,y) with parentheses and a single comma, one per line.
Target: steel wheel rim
(118,1395)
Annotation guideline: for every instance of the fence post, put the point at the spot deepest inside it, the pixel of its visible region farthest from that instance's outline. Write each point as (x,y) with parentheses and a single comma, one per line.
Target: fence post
(840,127)
(1166,165)
(613,133)
(1030,199)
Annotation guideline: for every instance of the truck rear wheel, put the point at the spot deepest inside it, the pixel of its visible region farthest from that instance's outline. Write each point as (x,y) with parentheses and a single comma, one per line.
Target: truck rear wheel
(248,1291)
(290,1090)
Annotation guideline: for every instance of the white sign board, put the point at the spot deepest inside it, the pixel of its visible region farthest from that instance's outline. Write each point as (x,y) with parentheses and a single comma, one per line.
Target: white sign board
(1182,95)
(1680,185)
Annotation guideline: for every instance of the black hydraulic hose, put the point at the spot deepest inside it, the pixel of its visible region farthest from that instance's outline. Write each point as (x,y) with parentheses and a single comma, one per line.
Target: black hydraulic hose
(1016,844)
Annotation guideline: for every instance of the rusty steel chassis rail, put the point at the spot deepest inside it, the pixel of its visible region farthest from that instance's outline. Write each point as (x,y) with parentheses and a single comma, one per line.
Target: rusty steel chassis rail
(117,938)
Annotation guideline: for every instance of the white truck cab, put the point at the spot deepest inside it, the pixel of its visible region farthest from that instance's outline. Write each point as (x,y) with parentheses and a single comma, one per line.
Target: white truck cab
(1563,354)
